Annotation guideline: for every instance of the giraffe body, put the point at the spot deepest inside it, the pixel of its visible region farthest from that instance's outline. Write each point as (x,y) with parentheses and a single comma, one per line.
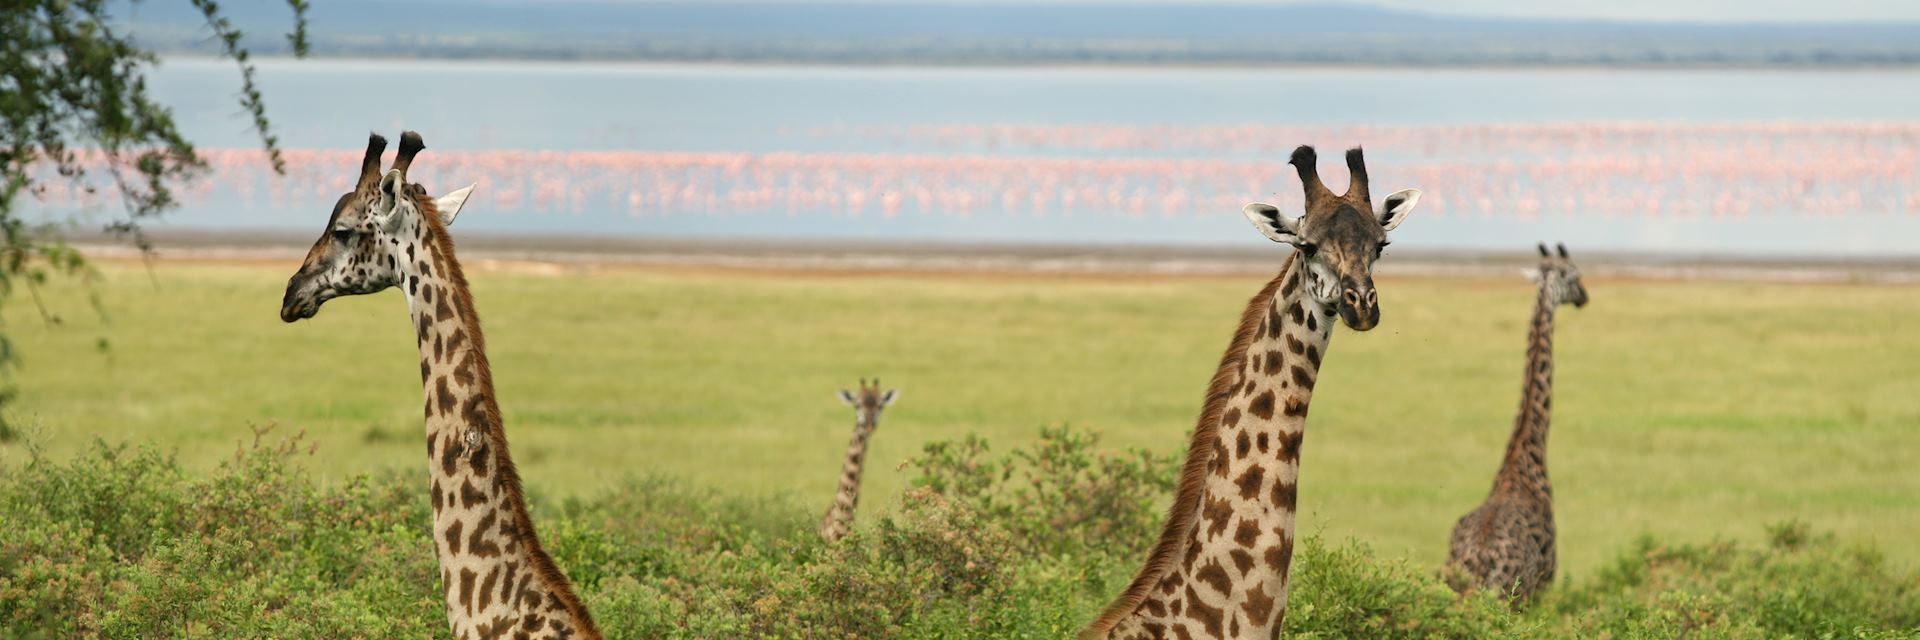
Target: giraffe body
(1231,577)
(867,405)
(1507,543)
(1221,566)
(497,580)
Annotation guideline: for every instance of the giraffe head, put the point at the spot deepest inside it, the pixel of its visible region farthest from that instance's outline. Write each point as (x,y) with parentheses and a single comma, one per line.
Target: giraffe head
(1560,278)
(868,402)
(374,234)
(1339,237)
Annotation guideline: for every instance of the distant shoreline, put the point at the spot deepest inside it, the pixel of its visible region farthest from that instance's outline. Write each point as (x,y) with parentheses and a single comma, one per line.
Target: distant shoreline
(562,253)
(194,57)
(1154,33)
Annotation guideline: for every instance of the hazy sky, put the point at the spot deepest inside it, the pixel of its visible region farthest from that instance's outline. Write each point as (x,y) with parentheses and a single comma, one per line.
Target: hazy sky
(1704,10)
(1656,10)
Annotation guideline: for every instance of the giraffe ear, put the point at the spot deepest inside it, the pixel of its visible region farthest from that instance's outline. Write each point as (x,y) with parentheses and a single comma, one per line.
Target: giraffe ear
(450,204)
(847,397)
(886,399)
(1274,225)
(1395,208)
(392,188)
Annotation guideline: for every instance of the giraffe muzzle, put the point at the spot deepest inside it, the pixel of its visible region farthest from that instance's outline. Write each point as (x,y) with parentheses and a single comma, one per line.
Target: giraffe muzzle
(1360,308)
(292,312)
(298,304)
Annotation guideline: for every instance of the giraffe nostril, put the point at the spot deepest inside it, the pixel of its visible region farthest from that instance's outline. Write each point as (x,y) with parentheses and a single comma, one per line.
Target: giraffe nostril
(1372,298)
(1353,297)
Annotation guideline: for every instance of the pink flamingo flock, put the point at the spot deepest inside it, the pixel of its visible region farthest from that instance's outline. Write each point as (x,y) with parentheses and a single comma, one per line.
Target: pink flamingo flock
(1492,170)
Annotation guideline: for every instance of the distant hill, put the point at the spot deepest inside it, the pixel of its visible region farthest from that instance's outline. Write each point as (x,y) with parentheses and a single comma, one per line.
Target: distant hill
(1010,34)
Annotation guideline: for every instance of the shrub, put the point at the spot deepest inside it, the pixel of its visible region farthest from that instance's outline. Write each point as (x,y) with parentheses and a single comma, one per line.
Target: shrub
(1062,496)
(120,545)
(1345,592)
(124,544)
(1799,584)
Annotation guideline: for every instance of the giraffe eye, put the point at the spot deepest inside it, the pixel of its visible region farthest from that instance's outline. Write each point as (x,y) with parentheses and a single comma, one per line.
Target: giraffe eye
(1309,249)
(342,235)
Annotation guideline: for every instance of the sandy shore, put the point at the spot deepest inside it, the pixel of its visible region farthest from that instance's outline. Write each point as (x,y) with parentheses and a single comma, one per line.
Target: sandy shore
(570,253)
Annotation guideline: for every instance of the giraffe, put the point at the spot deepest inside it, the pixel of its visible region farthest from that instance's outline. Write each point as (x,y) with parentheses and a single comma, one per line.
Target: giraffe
(1507,543)
(866,408)
(1219,569)
(496,579)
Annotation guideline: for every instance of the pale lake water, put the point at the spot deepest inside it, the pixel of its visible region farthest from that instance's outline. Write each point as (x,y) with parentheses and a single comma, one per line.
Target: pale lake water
(1681,161)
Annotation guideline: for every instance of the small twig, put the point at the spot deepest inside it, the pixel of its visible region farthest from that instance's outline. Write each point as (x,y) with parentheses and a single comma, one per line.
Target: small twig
(33,291)
(250,100)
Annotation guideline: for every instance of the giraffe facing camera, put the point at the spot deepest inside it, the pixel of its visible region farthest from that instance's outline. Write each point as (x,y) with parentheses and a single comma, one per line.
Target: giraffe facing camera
(1220,567)
(1339,237)
(867,404)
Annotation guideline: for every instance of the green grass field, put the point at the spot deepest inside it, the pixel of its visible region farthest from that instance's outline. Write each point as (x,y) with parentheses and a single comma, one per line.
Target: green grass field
(1685,410)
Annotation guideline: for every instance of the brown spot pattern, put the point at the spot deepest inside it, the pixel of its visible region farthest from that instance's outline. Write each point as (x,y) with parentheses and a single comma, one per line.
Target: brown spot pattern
(466,589)
(1302,377)
(480,544)
(1241,560)
(1214,576)
(1289,446)
(470,497)
(1285,495)
(1209,617)
(1262,405)
(1245,534)
(1249,482)
(1257,604)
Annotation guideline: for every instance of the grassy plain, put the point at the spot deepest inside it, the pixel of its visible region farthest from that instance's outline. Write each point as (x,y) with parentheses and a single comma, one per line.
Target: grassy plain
(1687,410)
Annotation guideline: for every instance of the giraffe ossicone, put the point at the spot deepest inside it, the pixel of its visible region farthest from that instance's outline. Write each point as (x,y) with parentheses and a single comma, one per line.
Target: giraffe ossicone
(1220,567)
(867,404)
(1508,543)
(496,578)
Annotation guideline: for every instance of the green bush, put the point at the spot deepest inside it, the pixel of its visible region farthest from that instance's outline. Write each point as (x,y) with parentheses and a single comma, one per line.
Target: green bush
(1345,592)
(124,544)
(1799,584)
(119,545)
(1061,497)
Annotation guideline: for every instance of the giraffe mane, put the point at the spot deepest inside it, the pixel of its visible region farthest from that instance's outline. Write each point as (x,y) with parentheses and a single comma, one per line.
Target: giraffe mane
(542,564)
(1186,502)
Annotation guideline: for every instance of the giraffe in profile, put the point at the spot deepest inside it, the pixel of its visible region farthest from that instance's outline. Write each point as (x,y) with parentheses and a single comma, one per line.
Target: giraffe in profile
(1220,567)
(496,579)
(867,405)
(1507,543)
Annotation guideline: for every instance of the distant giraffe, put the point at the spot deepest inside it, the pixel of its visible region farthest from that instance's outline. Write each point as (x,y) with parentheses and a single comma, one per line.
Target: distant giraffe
(496,579)
(1220,567)
(1507,543)
(866,407)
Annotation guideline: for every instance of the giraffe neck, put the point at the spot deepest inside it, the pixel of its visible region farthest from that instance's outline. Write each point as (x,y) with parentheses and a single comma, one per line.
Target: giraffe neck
(1221,566)
(1525,468)
(496,578)
(839,519)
